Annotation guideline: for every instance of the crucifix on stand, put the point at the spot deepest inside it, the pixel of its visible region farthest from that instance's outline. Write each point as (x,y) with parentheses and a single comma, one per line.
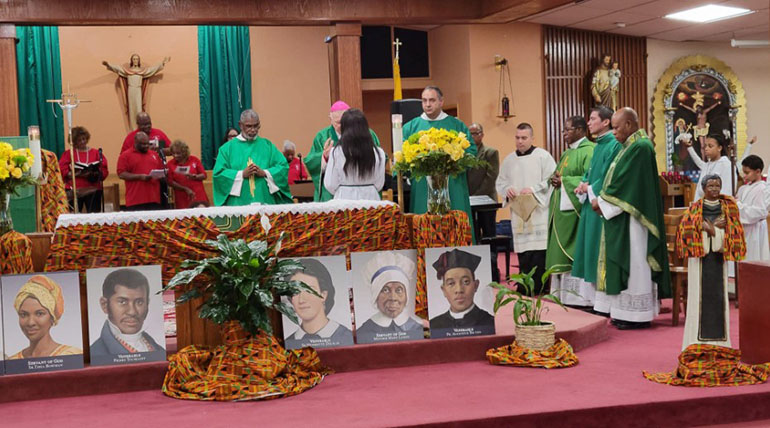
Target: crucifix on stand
(69,102)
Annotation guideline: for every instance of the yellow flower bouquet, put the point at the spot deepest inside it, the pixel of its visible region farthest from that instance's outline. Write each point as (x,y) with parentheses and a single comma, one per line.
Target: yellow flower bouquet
(14,173)
(435,154)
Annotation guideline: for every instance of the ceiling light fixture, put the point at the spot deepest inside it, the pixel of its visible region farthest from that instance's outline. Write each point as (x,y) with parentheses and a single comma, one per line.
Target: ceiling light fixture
(709,13)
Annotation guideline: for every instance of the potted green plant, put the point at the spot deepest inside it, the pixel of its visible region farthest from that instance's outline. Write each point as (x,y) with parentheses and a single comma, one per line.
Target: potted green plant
(242,283)
(531,331)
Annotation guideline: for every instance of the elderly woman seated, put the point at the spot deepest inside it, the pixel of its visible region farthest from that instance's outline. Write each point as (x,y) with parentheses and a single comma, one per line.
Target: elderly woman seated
(391,278)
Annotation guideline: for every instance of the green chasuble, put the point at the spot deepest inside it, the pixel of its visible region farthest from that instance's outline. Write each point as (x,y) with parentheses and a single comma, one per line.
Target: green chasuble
(632,184)
(458,186)
(313,160)
(563,225)
(234,157)
(590,225)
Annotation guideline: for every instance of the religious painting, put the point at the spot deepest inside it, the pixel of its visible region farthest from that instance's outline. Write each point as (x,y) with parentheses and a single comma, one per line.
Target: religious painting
(384,284)
(696,97)
(125,315)
(700,110)
(460,300)
(42,322)
(325,320)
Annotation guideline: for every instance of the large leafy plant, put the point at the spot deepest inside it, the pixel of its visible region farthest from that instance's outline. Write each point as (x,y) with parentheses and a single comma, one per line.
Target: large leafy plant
(243,282)
(527,308)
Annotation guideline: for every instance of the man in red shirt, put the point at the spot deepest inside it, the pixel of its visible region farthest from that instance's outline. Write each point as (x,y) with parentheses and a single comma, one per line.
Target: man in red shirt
(144,124)
(134,167)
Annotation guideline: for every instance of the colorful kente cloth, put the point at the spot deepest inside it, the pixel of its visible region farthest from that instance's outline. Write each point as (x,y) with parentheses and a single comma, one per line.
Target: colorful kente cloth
(559,355)
(244,368)
(53,197)
(689,240)
(15,253)
(709,365)
(563,224)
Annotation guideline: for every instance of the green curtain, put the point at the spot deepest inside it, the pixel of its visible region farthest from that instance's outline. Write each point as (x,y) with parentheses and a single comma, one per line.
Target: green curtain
(38,67)
(224,83)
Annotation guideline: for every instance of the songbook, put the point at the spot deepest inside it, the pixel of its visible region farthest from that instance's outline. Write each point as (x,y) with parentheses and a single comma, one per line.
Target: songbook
(523,205)
(94,166)
(158,173)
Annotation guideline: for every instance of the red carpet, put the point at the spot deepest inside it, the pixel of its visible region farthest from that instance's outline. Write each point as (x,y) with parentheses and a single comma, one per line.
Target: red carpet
(605,389)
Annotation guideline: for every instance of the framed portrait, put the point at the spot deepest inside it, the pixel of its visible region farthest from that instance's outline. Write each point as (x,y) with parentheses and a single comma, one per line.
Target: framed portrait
(384,284)
(42,322)
(324,322)
(125,315)
(460,300)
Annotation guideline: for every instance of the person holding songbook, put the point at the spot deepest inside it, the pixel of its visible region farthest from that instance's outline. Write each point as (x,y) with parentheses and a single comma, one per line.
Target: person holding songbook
(186,175)
(90,171)
(709,235)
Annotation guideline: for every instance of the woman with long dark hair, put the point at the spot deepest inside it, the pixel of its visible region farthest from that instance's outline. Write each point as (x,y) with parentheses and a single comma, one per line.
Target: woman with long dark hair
(356,168)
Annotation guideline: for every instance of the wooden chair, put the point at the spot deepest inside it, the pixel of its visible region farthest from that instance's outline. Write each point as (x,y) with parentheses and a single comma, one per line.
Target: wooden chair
(677,267)
(387,195)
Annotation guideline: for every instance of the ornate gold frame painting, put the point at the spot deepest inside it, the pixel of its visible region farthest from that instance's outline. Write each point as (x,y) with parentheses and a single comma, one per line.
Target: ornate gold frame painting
(697,95)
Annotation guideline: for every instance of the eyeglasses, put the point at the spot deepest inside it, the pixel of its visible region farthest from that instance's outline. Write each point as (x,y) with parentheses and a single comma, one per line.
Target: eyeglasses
(477,133)
(568,129)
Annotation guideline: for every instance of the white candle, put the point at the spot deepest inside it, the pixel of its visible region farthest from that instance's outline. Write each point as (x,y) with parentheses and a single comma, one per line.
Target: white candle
(396,120)
(36,170)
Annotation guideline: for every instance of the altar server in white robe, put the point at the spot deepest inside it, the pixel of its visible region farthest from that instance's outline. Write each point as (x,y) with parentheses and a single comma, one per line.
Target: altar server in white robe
(753,198)
(527,171)
(356,167)
(709,234)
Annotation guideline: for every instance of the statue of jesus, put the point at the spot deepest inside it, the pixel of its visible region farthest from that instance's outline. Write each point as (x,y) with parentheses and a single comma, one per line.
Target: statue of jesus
(134,83)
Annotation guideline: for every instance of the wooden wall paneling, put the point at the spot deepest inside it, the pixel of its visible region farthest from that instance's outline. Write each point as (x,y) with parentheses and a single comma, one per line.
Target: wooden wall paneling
(345,64)
(9,95)
(571,58)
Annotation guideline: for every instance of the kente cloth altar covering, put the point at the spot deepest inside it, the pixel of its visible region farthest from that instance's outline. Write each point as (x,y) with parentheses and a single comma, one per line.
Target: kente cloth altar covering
(709,365)
(53,197)
(559,355)
(15,253)
(169,237)
(244,368)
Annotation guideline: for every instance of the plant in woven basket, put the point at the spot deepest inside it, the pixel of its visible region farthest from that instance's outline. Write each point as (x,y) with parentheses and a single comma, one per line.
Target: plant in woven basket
(243,282)
(527,307)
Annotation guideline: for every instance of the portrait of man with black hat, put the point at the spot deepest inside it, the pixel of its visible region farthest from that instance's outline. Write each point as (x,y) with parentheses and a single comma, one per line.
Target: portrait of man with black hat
(456,269)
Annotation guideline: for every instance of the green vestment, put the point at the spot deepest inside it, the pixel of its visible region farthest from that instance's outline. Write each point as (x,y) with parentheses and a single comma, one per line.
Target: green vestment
(314,158)
(234,157)
(590,225)
(563,225)
(458,186)
(632,184)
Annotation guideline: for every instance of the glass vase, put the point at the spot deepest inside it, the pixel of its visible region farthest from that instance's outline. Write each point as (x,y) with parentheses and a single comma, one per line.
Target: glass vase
(438,194)
(6,224)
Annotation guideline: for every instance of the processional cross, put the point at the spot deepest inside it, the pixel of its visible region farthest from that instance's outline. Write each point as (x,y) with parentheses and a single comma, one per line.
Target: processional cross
(68,102)
(397,44)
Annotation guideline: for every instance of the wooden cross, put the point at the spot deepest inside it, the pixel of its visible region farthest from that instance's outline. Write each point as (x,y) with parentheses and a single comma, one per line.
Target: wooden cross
(398,44)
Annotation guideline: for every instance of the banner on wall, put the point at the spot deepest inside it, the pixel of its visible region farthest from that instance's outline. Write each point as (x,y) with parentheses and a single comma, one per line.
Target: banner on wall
(42,323)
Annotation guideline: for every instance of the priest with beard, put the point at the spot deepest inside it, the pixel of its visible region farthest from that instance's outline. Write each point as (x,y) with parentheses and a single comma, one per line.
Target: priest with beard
(250,169)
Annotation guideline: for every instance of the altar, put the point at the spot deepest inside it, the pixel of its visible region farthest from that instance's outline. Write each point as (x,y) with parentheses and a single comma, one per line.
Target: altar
(84,241)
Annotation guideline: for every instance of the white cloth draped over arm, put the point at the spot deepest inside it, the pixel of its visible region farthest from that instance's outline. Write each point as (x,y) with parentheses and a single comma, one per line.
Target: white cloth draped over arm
(696,158)
(753,206)
(609,210)
(237,184)
(334,174)
(542,190)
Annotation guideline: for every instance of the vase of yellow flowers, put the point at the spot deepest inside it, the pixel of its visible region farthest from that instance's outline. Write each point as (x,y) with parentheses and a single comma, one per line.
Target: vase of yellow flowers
(14,173)
(436,154)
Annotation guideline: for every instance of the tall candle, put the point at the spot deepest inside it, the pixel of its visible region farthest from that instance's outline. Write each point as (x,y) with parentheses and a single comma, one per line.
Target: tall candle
(36,170)
(397,133)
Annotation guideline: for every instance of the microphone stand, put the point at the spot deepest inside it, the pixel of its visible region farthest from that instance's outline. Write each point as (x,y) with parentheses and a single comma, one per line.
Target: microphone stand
(164,180)
(301,168)
(101,179)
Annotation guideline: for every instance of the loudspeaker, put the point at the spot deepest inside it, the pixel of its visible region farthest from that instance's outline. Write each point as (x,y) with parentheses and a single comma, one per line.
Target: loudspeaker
(408,108)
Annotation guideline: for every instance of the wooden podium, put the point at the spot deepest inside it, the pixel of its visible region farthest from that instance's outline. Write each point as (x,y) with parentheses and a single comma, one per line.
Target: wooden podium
(753,315)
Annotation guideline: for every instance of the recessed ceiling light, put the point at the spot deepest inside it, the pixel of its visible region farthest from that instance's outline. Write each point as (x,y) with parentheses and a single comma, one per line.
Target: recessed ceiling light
(709,13)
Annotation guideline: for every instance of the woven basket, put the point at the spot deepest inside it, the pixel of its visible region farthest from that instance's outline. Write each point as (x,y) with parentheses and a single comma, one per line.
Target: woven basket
(536,337)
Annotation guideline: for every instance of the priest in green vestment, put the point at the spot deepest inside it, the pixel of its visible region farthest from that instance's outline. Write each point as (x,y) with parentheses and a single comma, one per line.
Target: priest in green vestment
(564,211)
(325,140)
(590,224)
(250,168)
(633,257)
(434,117)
